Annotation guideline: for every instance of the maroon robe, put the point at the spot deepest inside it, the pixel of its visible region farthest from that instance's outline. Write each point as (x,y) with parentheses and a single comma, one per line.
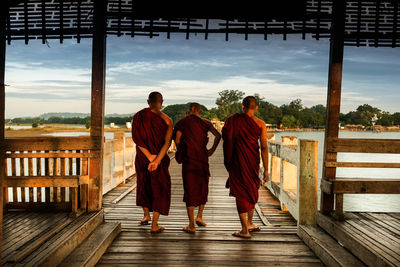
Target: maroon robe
(153,189)
(242,159)
(192,153)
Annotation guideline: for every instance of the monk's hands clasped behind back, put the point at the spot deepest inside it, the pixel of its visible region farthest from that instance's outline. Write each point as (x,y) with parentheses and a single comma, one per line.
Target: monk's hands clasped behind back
(153,165)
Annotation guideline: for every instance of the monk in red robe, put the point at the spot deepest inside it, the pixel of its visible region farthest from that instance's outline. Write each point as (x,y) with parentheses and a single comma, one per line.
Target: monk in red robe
(241,134)
(191,138)
(152,134)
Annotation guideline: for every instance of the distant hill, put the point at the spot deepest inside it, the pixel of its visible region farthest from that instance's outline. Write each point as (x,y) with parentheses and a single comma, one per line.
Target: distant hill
(75,115)
(63,115)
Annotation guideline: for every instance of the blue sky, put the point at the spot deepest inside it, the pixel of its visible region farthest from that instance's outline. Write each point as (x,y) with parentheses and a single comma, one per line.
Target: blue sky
(57,78)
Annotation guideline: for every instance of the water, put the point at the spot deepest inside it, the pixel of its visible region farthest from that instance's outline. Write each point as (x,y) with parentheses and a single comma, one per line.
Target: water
(359,202)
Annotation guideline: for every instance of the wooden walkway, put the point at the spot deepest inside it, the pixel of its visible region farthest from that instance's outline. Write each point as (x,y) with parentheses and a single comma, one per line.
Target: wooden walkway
(373,237)
(276,244)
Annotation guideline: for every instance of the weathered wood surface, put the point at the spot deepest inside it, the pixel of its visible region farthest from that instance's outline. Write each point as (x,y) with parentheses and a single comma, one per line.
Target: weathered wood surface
(334,96)
(277,243)
(371,236)
(25,231)
(361,186)
(363,145)
(44,239)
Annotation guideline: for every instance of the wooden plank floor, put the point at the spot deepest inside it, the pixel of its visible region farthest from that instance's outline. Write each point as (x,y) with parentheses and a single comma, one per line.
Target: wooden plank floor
(276,244)
(374,237)
(21,229)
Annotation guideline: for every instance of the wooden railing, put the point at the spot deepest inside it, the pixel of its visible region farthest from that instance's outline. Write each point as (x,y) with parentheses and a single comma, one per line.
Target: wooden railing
(48,172)
(293,170)
(359,185)
(118,160)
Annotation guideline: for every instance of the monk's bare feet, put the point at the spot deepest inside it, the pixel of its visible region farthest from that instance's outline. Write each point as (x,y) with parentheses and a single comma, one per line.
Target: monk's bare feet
(241,234)
(190,230)
(145,220)
(254,228)
(158,229)
(200,222)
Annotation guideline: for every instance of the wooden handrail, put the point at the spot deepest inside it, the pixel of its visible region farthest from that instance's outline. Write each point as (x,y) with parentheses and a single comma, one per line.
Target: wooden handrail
(361,164)
(71,155)
(363,145)
(52,143)
(360,186)
(294,177)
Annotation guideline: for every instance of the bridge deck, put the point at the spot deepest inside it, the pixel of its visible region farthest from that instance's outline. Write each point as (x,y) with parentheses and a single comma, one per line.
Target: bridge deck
(277,243)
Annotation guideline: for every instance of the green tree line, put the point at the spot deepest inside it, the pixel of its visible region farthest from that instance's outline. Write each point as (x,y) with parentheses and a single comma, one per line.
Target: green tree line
(291,115)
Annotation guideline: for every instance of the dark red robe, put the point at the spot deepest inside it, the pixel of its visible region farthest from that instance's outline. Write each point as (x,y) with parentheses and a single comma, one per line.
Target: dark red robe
(192,153)
(242,159)
(153,189)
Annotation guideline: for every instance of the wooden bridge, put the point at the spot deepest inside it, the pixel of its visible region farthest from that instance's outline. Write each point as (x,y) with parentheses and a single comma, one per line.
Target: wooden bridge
(213,245)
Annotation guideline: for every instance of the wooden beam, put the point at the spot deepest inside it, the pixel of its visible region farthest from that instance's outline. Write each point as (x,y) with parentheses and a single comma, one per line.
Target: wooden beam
(45,181)
(362,164)
(3,11)
(365,186)
(334,95)
(97,102)
(308,182)
(53,143)
(363,145)
(53,155)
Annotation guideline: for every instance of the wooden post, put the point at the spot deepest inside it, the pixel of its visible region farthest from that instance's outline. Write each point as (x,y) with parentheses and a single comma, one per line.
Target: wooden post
(4,11)
(308,182)
(97,103)
(334,96)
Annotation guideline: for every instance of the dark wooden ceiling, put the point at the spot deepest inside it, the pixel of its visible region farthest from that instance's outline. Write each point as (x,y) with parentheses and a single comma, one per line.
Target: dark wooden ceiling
(368,23)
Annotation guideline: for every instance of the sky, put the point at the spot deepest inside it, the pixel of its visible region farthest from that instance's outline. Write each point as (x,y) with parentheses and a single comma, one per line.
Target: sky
(56,77)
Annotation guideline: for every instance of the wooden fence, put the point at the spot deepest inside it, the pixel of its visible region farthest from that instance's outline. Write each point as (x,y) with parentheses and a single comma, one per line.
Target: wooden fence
(358,185)
(48,172)
(293,169)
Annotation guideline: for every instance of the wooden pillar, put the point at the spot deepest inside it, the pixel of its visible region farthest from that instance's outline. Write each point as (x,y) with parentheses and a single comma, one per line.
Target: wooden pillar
(334,95)
(308,182)
(97,103)
(2,110)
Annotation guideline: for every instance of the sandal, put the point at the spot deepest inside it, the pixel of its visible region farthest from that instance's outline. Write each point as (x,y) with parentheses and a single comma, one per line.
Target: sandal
(239,234)
(201,223)
(159,230)
(144,222)
(257,229)
(187,230)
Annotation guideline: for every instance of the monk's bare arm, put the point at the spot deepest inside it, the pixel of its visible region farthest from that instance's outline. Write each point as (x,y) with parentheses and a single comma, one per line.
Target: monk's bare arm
(147,153)
(264,149)
(168,137)
(178,138)
(217,139)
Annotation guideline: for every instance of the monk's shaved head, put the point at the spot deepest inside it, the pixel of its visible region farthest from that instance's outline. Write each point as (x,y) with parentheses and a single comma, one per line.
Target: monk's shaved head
(155,100)
(249,103)
(155,97)
(194,107)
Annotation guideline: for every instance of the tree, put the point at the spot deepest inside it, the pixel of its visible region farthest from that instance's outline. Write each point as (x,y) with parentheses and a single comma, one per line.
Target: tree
(268,112)
(289,121)
(396,118)
(293,108)
(228,103)
(87,125)
(178,111)
(386,119)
